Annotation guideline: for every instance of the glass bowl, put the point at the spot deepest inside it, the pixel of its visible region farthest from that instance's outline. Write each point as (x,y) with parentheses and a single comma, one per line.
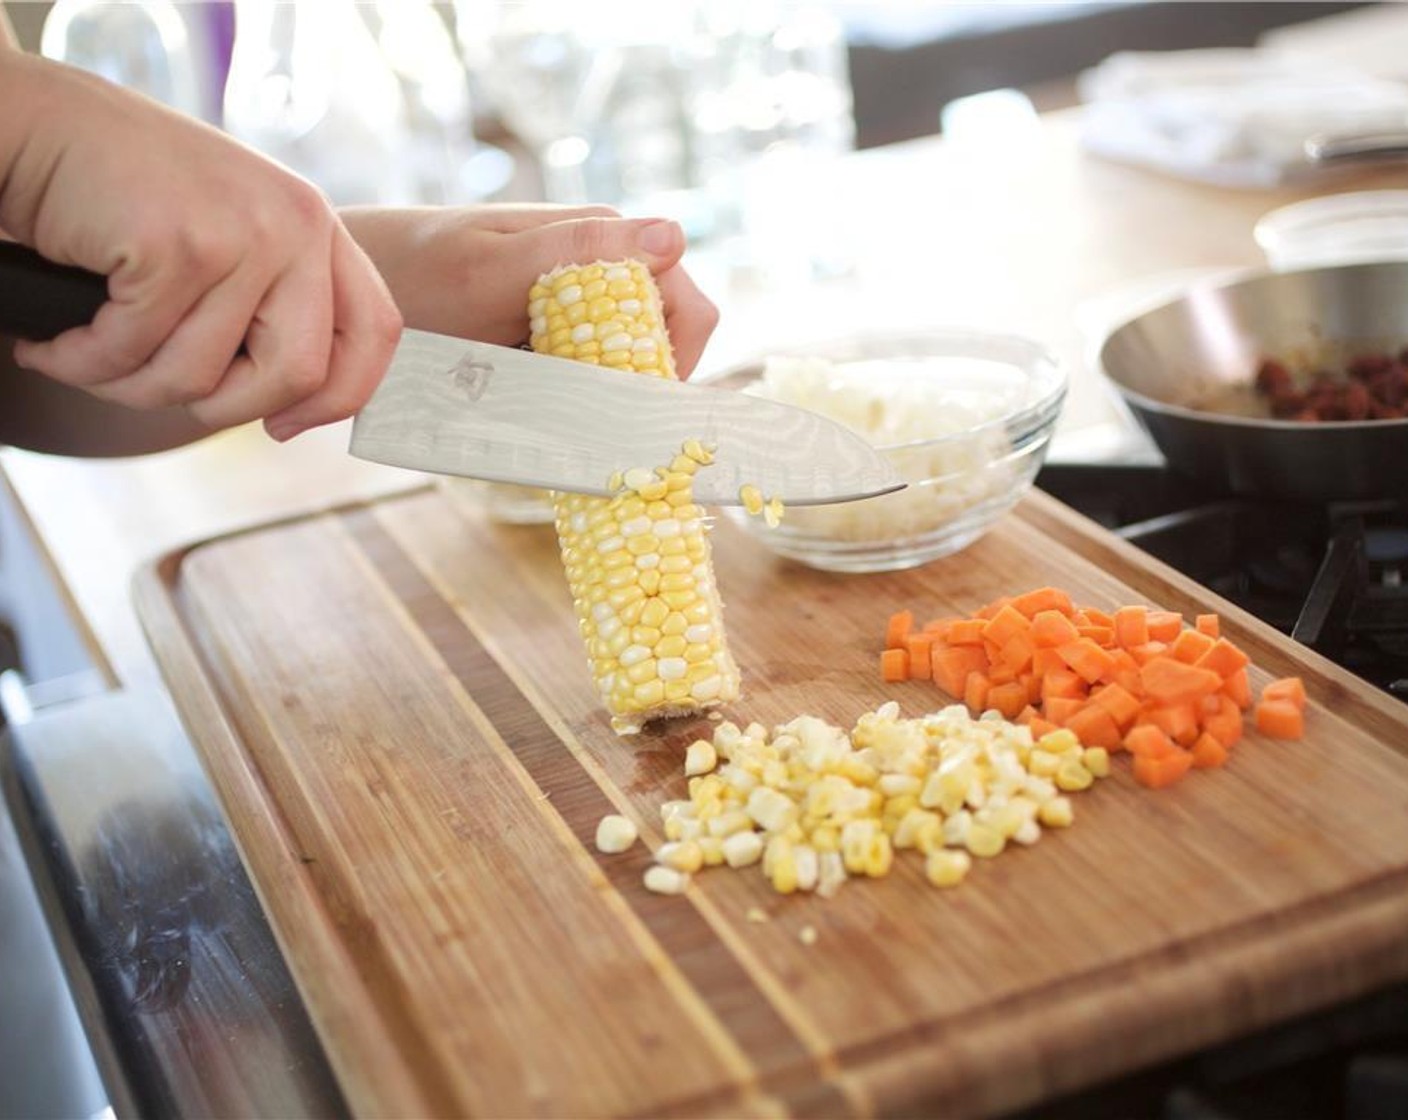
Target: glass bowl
(964,416)
(1336,229)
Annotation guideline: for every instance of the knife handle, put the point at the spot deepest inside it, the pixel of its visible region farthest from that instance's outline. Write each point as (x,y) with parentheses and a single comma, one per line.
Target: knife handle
(40,299)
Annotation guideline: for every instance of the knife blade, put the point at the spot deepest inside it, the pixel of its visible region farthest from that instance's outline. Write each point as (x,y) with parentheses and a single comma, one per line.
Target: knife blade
(452,406)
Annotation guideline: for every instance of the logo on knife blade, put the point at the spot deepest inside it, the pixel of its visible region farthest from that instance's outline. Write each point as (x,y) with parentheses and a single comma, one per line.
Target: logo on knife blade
(471,375)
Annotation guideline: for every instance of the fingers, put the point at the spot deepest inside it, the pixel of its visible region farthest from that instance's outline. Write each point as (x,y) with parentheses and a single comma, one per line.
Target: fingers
(657,243)
(195,360)
(287,344)
(147,296)
(690,317)
(508,218)
(366,328)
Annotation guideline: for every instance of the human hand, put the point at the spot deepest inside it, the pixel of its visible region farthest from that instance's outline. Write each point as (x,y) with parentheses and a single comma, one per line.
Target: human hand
(466,271)
(208,248)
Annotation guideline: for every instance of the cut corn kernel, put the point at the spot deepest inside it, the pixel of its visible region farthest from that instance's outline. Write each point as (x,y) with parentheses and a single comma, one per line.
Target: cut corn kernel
(615,549)
(817,805)
(700,757)
(807,935)
(947,868)
(666,880)
(682,855)
(1056,813)
(615,834)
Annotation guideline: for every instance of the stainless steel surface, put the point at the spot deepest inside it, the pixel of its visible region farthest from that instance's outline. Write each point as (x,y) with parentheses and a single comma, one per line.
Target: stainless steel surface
(46,1065)
(506,415)
(180,981)
(1361,148)
(1206,345)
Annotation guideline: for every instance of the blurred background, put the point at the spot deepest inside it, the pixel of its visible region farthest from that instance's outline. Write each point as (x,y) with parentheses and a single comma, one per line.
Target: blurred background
(715,113)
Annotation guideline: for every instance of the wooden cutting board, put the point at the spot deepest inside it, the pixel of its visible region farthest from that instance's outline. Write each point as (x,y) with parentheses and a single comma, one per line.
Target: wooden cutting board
(392,702)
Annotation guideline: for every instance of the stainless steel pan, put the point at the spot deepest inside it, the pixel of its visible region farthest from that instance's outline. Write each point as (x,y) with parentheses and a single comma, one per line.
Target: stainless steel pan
(1171,362)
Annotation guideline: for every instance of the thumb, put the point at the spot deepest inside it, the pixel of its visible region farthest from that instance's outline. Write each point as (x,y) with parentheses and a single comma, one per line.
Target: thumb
(656,242)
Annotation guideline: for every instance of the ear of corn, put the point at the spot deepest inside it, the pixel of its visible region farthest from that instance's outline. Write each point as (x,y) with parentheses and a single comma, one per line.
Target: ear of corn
(638,563)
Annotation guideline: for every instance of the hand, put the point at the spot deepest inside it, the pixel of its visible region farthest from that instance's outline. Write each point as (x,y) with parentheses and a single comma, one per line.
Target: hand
(207,247)
(467,271)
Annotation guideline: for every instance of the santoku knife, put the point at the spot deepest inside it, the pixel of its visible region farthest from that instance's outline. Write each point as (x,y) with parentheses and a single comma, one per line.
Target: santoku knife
(493,412)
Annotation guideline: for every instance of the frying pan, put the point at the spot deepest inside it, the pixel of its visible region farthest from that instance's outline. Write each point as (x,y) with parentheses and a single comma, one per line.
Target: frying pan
(1203,348)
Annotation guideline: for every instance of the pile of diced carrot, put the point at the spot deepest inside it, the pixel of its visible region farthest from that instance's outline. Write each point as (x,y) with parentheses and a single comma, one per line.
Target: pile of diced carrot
(1136,679)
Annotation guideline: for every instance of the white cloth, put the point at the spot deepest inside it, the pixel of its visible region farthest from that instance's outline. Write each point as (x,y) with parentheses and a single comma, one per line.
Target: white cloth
(1236,117)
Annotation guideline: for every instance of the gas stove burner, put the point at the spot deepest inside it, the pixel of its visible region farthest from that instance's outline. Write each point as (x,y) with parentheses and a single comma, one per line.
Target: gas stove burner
(1330,575)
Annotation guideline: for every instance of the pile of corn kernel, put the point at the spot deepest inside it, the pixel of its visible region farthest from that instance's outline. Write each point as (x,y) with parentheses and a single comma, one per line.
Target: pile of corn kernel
(815,805)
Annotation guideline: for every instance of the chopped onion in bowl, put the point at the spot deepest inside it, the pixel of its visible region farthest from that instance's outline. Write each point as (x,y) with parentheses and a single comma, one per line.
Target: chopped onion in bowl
(940,420)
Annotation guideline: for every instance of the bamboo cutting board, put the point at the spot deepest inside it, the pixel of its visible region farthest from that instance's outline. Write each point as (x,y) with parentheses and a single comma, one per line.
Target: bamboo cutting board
(392,702)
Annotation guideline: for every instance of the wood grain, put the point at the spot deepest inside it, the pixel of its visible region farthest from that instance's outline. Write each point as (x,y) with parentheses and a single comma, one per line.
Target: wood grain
(392,702)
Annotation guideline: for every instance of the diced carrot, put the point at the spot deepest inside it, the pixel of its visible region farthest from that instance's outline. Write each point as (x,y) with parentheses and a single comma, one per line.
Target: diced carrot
(950,666)
(894,665)
(1224,724)
(1156,773)
(1178,721)
(1167,681)
(975,691)
(1102,636)
(1087,659)
(1095,727)
(1279,719)
(1238,686)
(1134,676)
(1058,709)
(1096,617)
(1164,626)
(918,646)
(1189,646)
(1063,683)
(898,628)
(965,632)
(1119,702)
(1149,651)
(1208,752)
(988,610)
(1046,661)
(1009,698)
(999,673)
(1004,624)
(1051,629)
(1291,689)
(1223,658)
(1146,739)
(1043,599)
(1016,653)
(1131,626)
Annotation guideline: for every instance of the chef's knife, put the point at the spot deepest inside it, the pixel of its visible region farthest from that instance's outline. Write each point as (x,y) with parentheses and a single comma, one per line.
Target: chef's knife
(493,412)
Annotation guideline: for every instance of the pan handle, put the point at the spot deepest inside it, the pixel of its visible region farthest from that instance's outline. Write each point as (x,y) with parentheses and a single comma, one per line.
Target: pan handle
(40,299)
(1357,147)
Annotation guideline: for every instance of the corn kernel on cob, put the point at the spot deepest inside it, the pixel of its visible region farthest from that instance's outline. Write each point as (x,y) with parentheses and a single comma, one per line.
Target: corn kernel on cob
(638,563)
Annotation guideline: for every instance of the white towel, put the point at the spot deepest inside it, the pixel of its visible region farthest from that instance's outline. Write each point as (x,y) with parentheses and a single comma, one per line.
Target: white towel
(1231,116)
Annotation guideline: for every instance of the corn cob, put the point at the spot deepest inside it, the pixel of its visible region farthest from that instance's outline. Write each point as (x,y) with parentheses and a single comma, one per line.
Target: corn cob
(638,563)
